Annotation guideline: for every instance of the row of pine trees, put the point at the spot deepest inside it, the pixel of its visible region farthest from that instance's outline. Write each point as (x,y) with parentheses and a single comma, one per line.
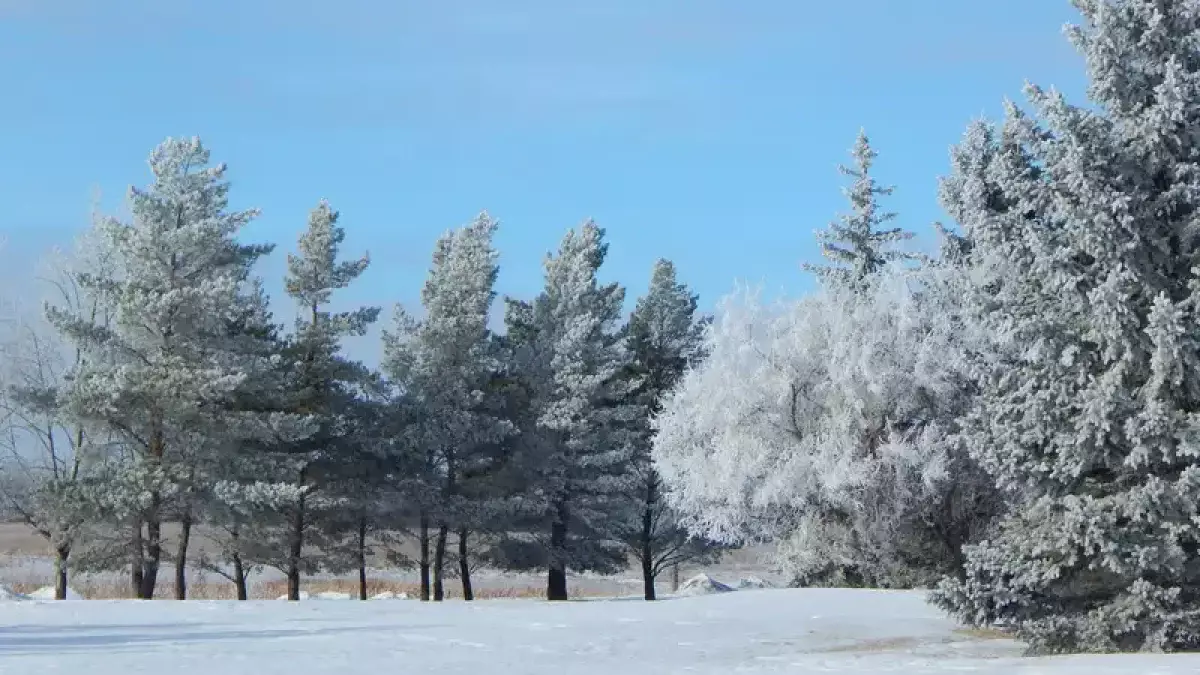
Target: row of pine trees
(161,390)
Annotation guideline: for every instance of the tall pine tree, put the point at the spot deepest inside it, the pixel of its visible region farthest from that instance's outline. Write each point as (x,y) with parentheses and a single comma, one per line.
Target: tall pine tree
(325,380)
(577,427)
(665,338)
(449,361)
(154,375)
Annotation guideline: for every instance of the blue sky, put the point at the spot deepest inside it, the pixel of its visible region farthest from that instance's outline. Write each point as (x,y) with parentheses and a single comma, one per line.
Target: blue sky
(703,131)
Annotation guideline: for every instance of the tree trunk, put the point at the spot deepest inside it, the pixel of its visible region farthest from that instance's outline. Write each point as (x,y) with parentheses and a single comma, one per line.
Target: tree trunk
(137,552)
(239,577)
(61,557)
(647,553)
(424,557)
(239,568)
(185,535)
(464,565)
(153,516)
(439,563)
(556,581)
(295,548)
(675,578)
(362,558)
(153,558)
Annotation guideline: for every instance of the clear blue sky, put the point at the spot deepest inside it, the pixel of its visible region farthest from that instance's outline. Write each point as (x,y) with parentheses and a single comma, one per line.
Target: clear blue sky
(704,131)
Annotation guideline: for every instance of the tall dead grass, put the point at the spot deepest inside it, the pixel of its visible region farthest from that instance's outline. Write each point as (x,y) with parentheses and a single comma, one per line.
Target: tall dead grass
(113,589)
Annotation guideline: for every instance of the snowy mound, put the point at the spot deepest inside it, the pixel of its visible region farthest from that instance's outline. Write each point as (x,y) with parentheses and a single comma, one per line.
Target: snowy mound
(388,595)
(333,595)
(702,584)
(47,593)
(749,583)
(303,596)
(7,593)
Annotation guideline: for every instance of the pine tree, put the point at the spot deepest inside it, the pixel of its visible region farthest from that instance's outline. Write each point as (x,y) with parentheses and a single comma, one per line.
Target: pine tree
(665,338)
(325,380)
(1084,262)
(154,374)
(449,365)
(857,244)
(256,425)
(576,427)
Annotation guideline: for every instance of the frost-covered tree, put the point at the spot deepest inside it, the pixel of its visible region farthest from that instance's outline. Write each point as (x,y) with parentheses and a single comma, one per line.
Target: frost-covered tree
(1082,225)
(411,461)
(155,373)
(257,425)
(576,426)
(858,244)
(51,458)
(447,365)
(826,424)
(665,336)
(324,385)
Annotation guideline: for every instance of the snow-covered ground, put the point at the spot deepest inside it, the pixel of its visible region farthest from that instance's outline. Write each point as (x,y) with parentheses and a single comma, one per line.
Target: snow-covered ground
(745,631)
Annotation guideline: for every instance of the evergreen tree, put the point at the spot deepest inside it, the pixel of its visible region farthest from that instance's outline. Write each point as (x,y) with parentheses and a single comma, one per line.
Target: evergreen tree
(324,382)
(857,244)
(258,423)
(665,338)
(1084,262)
(449,366)
(576,425)
(156,372)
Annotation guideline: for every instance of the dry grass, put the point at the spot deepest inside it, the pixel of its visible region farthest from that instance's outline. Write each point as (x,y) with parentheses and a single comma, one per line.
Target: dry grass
(984,633)
(876,645)
(112,589)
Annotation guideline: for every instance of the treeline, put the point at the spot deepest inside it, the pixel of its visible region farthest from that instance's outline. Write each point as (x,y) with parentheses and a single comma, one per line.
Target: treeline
(160,389)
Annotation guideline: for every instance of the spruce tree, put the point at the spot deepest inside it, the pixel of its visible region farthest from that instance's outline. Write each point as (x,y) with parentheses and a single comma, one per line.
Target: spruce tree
(857,244)
(1083,254)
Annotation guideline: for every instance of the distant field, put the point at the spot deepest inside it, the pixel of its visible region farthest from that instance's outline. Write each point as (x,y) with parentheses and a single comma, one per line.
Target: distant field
(25,566)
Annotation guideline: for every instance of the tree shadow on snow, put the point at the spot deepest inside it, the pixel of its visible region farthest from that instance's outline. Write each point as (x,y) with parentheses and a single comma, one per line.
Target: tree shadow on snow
(35,640)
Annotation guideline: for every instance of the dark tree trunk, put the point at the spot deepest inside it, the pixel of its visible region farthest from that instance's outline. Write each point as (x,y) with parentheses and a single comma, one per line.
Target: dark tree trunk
(153,558)
(239,577)
(62,556)
(362,558)
(464,565)
(556,581)
(185,535)
(648,577)
(647,553)
(153,517)
(239,568)
(295,549)
(675,578)
(424,534)
(439,563)
(137,552)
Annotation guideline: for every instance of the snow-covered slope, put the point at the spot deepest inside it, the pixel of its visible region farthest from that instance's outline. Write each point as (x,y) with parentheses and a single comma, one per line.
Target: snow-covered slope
(752,631)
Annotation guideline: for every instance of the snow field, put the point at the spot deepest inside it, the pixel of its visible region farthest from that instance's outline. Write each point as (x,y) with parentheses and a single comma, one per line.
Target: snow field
(748,631)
